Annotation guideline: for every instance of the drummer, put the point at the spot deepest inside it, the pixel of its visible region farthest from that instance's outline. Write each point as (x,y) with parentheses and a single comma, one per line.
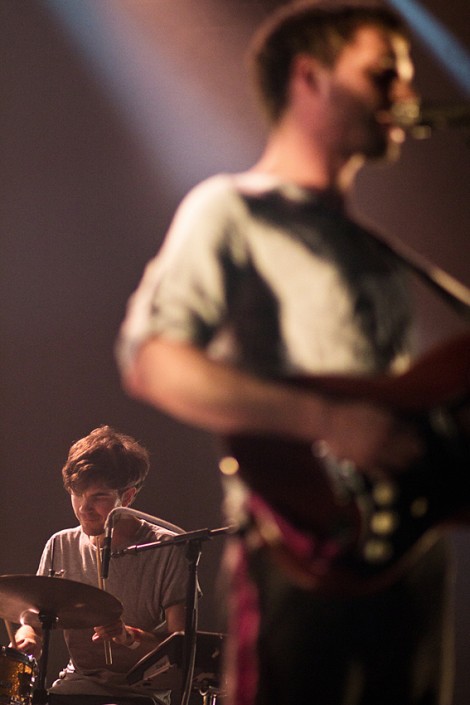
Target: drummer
(104,470)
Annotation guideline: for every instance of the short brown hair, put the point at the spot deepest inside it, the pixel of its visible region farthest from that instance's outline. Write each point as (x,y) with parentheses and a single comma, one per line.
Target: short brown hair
(318,29)
(105,456)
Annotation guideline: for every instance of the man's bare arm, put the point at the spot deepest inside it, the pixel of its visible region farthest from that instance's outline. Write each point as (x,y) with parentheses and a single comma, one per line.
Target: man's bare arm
(181,380)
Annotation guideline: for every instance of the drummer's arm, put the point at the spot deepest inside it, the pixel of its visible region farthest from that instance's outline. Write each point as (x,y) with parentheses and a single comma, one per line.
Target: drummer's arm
(28,640)
(174,622)
(132,637)
(175,618)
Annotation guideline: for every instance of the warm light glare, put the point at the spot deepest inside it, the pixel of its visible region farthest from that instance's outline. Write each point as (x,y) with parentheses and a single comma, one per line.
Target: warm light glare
(228,465)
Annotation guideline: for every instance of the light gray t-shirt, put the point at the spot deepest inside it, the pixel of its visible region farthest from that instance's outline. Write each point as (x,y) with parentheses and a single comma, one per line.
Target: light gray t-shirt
(146,583)
(271,277)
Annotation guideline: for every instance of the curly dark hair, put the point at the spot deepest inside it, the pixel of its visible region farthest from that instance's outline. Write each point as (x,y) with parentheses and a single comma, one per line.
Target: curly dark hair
(319,29)
(105,456)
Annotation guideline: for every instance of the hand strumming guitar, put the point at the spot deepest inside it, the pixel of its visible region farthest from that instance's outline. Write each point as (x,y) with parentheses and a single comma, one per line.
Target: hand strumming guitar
(369,435)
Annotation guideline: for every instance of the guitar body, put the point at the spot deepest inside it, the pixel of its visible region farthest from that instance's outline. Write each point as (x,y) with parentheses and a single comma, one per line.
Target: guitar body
(377,520)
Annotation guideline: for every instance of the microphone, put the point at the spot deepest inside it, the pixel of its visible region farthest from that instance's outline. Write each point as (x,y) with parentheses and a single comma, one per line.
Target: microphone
(419,120)
(108,534)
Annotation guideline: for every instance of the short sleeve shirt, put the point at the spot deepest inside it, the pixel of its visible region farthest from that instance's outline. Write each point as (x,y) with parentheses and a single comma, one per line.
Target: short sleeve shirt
(274,279)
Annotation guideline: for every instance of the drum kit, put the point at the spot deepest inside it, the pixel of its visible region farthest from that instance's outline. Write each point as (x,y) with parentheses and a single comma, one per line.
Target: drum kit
(57,603)
(47,603)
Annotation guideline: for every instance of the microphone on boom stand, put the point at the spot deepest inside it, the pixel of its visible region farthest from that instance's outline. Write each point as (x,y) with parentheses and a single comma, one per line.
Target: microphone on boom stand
(420,120)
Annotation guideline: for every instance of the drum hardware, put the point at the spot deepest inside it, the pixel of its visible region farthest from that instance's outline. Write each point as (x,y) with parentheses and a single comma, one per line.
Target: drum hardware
(48,621)
(209,696)
(53,603)
(162,668)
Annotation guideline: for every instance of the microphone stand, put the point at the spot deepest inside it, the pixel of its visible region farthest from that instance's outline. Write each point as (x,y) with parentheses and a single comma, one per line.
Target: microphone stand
(193,541)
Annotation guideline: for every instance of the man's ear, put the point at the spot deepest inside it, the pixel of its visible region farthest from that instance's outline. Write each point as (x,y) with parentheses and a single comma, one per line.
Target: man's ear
(307,70)
(128,496)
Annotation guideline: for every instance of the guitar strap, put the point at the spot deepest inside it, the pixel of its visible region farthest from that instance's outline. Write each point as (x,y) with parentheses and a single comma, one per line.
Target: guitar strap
(456,294)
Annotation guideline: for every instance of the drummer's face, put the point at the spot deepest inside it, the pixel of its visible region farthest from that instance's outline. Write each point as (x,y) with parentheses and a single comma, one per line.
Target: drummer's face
(93,506)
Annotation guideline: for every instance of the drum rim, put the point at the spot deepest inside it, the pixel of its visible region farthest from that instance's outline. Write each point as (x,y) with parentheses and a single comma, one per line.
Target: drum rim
(17,655)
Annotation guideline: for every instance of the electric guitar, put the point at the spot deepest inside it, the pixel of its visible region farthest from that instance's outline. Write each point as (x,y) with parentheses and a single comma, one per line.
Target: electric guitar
(376,520)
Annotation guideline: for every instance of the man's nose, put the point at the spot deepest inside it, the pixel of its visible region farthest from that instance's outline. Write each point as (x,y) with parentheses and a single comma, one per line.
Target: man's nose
(85,504)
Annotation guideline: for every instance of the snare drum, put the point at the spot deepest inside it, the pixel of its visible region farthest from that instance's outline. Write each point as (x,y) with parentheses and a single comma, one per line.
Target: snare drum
(16,677)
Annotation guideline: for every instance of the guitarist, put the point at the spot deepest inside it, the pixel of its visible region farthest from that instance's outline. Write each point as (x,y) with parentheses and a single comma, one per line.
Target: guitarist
(263,276)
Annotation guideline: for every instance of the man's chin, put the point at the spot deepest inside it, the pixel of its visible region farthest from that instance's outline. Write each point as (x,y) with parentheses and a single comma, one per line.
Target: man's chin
(92,529)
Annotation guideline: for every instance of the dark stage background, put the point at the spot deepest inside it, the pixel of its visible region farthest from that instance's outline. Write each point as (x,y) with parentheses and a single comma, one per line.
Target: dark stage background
(111,111)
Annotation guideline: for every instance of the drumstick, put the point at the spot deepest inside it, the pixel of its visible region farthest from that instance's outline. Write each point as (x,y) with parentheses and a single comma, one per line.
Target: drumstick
(108,654)
(11,635)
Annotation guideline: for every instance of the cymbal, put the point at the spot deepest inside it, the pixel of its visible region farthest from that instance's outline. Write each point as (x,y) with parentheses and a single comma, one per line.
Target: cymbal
(73,605)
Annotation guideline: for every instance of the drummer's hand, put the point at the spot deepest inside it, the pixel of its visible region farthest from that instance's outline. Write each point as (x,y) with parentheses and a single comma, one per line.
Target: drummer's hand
(117,632)
(28,641)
